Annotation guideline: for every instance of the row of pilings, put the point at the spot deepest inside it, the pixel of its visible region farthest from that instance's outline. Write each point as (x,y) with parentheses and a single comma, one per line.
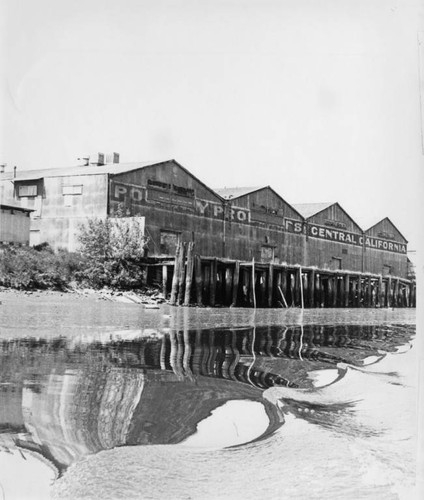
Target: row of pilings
(194,280)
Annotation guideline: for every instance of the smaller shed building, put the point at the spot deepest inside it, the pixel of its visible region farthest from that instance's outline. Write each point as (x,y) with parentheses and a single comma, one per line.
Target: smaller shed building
(14,223)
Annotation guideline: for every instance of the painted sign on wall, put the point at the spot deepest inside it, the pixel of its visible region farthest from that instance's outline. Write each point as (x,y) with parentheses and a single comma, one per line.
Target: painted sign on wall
(216,211)
(336,235)
(136,195)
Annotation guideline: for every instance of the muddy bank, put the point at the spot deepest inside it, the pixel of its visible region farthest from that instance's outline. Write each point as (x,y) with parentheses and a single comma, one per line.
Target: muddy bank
(149,297)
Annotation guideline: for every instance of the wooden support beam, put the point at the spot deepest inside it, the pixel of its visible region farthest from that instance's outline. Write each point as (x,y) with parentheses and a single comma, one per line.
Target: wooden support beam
(253,283)
(389,292)
(359,301)
(369,292)
(236,277)
(198,279)
(164,281)
(229,272)
(335,287)
(175,283)
(283,284)
(189,273)
(380,291)
(302,302)
(346,290)
(311,288)
(212,283)
(182,274)
(270,284)
(396,294)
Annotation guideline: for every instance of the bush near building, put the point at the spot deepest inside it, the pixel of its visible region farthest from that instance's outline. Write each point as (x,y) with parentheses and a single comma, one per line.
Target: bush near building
(39,267)
(111,252)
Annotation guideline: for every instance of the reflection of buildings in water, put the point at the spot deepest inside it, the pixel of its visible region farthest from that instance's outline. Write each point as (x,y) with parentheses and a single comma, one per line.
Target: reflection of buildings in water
(67,402)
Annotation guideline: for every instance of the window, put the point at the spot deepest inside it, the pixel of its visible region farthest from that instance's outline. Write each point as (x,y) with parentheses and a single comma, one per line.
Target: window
(267,253)
(168,242)
(30,190)
(70,190)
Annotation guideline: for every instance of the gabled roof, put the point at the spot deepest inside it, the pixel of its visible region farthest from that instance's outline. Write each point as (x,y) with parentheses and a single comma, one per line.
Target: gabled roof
(110,168)
(386,219)
(236,192)
(309,209)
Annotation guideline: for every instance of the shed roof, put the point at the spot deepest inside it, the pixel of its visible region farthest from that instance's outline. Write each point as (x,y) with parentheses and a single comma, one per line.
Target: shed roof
(390,222)
(110,168)
(309,209)
(236,192)
(13,205)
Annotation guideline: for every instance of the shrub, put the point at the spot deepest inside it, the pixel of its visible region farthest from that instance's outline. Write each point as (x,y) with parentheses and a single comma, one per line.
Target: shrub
(27,267)
(113,249)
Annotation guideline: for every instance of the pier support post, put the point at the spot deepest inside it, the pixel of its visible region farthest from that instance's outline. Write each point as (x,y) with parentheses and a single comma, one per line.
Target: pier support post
(198,279)
(189,273)
(164,280)
(212,282)
(380,291)
(236,277)
(346,290)
(396,294)
(270,284)
(389,292)
(174,290)
(182,273)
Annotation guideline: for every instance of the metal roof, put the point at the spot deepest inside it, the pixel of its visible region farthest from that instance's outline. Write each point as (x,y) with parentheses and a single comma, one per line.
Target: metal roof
(230,193)
(309,209)
(14,205)
(110,168)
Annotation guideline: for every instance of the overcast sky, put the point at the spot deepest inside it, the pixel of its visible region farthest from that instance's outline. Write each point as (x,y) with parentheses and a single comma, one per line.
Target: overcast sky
(317,98)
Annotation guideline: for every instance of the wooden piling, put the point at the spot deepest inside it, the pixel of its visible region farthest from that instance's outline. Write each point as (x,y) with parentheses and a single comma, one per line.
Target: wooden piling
(212,283)
(396,294)
(346,290)
(335,281)
(198,279)
(389,292)
(380,291)
(182,274)
(229,272)
(270,284)
(175,283)
(311,288)
(253,283)
(359,301)
(302,302)
(189,273)
(164,281)
(283,278)
(236,277)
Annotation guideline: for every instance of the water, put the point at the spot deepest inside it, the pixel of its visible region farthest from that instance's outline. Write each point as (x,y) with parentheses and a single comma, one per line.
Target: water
(110,400)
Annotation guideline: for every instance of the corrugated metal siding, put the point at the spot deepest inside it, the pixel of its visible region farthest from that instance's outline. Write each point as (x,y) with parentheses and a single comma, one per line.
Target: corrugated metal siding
(390,257)
(14,226)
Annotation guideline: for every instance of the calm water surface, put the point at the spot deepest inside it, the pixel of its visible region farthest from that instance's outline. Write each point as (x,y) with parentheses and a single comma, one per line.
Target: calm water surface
(112,400)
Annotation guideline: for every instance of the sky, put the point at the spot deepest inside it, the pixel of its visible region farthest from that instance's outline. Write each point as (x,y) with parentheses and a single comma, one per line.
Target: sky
(320,99)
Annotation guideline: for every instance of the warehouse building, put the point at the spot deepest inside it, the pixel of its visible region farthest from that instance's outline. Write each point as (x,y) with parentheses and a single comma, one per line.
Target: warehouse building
(175,206)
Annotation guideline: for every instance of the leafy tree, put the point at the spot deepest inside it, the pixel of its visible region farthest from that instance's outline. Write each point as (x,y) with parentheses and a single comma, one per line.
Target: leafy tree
(114,248)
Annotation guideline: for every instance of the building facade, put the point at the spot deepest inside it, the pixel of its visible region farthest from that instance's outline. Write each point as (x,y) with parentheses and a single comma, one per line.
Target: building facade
(239,223)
